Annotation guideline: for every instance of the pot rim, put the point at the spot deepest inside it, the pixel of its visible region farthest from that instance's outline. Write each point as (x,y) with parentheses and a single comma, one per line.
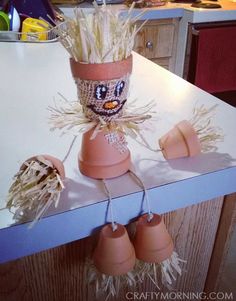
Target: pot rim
(101,71)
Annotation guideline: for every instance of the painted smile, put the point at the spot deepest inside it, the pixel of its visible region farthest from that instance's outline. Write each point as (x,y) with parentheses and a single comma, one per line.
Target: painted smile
(110,108)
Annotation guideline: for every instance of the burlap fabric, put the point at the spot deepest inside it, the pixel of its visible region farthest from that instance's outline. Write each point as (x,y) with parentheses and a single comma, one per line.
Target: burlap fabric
(103,99)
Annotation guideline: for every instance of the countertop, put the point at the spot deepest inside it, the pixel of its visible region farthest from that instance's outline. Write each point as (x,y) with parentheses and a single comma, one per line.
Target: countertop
(182,11)
(33,75)
(174,10)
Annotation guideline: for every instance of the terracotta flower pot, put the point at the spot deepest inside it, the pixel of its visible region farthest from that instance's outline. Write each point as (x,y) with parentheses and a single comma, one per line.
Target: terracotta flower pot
(180,141)
(152,241)
(114,254)
(100,159)
(102,88)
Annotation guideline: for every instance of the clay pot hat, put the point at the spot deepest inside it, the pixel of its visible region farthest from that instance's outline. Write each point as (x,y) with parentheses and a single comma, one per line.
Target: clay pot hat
(101,71)
(114,254)
(152,241)
(100,159)
(181,141)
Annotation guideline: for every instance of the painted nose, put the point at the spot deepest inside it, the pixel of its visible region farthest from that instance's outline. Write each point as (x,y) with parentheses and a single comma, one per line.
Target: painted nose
(109,105)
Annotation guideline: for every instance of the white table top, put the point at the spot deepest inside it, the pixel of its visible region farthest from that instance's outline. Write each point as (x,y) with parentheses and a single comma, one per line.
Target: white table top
(31,75)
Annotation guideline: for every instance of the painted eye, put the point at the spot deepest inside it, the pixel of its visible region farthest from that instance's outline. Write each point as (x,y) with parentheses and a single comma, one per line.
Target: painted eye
(100,92)
(119,88)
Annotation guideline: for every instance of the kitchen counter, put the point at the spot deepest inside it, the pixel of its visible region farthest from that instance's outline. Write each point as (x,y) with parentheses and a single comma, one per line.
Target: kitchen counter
(173,10)
(33,74)
(184,12)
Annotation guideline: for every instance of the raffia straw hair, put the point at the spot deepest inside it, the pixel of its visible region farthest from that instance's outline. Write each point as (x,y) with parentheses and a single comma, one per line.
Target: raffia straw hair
(36,186)
(168,269)
(69,116)
(208,134)
(98,37)
(107,285)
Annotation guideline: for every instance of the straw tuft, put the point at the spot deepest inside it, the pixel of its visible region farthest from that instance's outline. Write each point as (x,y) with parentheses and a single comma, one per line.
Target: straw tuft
(69,117)
(208,134)
(108,285)
(168,269)
(98,37)
(36,186)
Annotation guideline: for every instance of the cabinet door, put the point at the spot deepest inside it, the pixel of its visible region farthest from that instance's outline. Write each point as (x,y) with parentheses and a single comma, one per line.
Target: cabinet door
(157,41)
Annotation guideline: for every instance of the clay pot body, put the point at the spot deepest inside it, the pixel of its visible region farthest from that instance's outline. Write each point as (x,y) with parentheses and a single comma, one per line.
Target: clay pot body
(152,241)
(114,254)
(181,141)
(100,159)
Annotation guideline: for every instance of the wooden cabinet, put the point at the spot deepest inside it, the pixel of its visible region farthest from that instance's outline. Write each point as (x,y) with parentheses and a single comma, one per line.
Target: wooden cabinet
(157,41)
(201,235)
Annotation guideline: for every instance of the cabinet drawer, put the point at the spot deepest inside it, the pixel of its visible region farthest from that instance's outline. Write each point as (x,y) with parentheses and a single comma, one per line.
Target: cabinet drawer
(156,39)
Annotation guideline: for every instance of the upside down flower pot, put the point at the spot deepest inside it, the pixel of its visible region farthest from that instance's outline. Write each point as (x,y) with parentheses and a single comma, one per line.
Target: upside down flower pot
(152,241)
(155,250)
(100,159)
(113,262)
(181,141)
(102,90)
(114,254)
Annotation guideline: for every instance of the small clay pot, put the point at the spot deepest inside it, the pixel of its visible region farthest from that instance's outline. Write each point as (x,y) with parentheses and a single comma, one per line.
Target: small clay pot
(101,160)
(103,71)
(55,162)
(181,141)
(114,254)
(152,241)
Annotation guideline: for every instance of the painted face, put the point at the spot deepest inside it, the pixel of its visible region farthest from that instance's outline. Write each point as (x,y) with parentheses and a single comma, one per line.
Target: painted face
(103,99)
